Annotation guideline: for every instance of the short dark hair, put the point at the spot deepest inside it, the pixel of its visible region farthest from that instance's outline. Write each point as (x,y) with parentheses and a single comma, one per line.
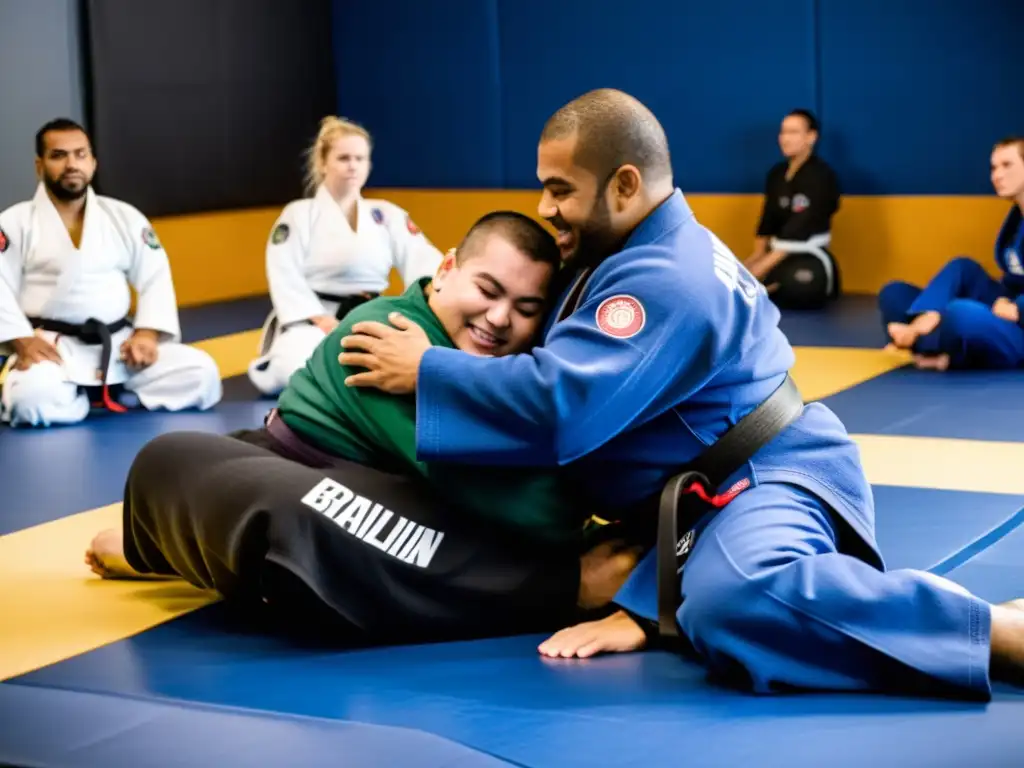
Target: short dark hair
(527,235)
(809,118)
(57,124)
(1010,141)
(612,129)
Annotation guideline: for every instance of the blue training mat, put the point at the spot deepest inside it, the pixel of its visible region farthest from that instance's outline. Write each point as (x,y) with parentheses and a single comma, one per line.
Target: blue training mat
(500,698)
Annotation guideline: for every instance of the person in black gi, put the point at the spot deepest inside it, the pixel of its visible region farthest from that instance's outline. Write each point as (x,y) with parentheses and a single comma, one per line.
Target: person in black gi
(791,252)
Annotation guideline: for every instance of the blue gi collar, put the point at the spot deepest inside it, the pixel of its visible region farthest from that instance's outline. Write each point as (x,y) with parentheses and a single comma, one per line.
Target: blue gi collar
(672,213)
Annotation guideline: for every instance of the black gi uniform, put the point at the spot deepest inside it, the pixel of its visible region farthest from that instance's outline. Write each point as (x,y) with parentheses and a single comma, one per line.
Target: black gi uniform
(794,211)
(264,518)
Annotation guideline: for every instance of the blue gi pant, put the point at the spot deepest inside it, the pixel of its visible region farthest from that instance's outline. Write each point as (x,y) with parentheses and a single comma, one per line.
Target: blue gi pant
(769,598)
(963,294)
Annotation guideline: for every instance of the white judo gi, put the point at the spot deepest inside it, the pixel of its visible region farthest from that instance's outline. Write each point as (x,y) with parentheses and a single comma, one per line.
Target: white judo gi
(43,275)
(313,250)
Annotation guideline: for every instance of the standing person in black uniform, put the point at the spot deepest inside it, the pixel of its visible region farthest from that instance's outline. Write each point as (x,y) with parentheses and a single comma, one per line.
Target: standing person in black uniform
(791,255)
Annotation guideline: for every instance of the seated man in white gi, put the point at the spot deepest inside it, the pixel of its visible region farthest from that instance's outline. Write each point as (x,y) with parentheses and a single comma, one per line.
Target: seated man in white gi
(67,259)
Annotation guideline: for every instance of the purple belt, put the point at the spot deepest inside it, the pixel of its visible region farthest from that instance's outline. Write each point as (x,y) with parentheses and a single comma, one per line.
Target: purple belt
(302,451)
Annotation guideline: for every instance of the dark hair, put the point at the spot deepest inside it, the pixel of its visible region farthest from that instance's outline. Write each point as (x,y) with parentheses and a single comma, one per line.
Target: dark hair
(1010,140)
(612,129)
(520,230)
(58,124)
(809,118)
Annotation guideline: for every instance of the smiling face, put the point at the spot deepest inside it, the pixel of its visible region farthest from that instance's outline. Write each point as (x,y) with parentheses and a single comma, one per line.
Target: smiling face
(575,202)
(491,302)
(1008,171)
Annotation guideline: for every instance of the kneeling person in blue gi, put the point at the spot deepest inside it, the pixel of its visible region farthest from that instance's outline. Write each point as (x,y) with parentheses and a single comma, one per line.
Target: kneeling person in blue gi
(964,318)
(661,342)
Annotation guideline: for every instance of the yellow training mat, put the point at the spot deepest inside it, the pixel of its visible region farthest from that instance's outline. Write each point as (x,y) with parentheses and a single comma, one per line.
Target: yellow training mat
(946,464)
(233,352)
(823,371)
(54,607)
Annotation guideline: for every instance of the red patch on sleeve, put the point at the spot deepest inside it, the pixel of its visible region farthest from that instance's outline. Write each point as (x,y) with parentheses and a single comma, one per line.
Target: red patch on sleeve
(411,226)
(4,242)
(621,317)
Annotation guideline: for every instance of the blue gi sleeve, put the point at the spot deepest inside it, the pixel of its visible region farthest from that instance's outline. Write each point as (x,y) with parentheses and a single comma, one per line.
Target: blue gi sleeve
(641,335)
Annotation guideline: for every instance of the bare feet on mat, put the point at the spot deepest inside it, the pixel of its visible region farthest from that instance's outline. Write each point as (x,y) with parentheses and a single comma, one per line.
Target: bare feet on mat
(603,571)
(105,557)
(615,634)
(931,362)
(904,335)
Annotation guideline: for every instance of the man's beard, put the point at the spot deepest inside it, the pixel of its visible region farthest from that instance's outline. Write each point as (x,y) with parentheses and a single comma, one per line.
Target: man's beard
(61,192)
(595,239)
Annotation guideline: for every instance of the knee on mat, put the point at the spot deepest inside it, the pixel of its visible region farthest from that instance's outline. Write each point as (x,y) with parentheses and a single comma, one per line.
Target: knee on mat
(204,377)
(30,394)
(895,299)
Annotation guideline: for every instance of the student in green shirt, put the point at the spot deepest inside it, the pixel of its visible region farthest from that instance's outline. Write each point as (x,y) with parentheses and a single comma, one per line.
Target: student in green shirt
(327,512)
(488,298)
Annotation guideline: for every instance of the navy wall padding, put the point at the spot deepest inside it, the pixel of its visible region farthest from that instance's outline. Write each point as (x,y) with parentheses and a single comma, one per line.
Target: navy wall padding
(911,93)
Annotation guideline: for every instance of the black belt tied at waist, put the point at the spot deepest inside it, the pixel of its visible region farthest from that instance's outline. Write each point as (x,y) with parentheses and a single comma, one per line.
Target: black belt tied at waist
(92,332)
(689,495)
(345,303)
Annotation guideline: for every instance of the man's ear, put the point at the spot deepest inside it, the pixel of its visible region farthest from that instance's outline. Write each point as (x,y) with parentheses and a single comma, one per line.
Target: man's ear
(447,265)
(626,185)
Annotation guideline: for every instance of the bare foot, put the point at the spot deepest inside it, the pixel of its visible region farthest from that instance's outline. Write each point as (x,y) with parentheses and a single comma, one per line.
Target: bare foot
(105,557)
(617,633)
(932,362)
(902,335)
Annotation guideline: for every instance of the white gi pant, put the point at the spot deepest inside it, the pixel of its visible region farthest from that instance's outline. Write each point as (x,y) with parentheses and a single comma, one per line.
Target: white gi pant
(182,377)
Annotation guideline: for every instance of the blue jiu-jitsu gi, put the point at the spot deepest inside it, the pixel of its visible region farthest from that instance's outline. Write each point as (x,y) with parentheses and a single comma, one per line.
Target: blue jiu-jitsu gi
(672,342)
(963,294)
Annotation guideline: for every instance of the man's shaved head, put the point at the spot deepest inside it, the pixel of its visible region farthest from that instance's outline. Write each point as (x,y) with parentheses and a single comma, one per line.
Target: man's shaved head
(612,129)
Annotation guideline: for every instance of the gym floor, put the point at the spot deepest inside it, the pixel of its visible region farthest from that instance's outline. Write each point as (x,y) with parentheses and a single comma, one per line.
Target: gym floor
(160,674)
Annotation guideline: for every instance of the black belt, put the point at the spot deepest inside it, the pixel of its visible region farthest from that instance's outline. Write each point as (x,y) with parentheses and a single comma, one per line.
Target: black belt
(690,491)
(345,303)
(93,332)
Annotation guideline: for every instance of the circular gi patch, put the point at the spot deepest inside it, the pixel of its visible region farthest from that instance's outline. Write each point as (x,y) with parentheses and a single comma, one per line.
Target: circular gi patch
(280,234)
(4,242)
(411,226)
(378,215)
(800,203)
(621,316)
(149,238)
(783,202)
(803,276)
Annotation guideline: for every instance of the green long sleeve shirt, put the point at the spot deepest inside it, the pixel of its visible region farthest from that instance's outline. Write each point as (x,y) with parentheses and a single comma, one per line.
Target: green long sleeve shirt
(376,429)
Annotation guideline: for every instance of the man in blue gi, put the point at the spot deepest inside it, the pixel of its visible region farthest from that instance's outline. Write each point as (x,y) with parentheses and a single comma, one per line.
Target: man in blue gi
(662,341)
(964,318)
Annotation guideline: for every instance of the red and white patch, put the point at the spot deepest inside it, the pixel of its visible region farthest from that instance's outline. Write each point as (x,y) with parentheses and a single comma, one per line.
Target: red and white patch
(800,203)
(4,242)
(621,316)
(411,226)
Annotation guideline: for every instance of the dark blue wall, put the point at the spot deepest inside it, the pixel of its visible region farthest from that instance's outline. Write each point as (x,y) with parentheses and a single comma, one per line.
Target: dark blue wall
(911,93)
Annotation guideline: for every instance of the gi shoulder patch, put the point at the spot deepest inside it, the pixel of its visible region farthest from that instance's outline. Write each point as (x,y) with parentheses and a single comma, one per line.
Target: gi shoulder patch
(411,225)
(149,238)
(280,234)
(621,316)
(378,215)
(4,242)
